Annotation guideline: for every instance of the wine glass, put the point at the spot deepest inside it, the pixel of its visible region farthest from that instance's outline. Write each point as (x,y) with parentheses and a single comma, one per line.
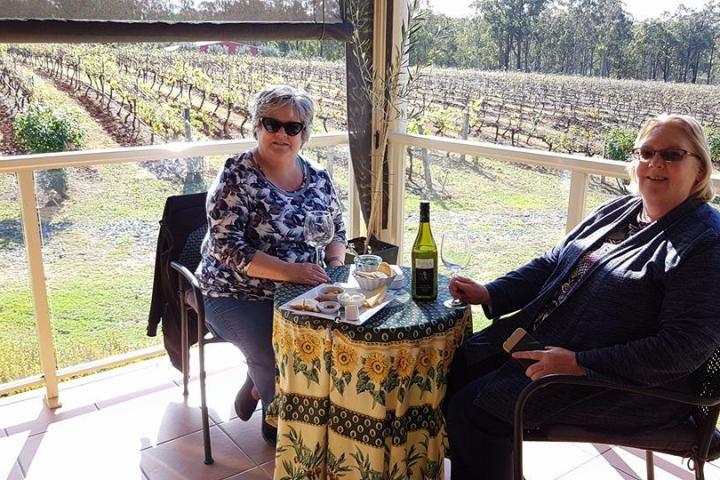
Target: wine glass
(319,230)
(455,254)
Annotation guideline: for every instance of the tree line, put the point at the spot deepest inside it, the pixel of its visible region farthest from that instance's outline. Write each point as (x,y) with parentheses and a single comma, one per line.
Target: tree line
(574,37)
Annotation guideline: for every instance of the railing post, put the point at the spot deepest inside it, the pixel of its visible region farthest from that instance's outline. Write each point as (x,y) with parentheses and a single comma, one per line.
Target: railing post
(33,247)
(576,199)
(354,210)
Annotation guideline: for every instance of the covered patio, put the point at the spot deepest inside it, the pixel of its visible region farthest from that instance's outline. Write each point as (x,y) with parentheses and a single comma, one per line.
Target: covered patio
(125,416)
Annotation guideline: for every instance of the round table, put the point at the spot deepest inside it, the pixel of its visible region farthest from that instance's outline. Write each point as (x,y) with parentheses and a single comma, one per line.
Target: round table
(363,401)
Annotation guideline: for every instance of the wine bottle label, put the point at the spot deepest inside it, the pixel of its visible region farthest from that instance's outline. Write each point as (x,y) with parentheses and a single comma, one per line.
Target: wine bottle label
(424,281)
(425,263)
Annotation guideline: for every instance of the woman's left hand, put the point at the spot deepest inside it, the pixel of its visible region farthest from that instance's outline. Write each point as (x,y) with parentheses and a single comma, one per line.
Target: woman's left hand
(551,361)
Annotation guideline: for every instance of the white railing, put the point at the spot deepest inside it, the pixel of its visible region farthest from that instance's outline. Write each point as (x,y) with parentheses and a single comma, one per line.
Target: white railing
(23,166)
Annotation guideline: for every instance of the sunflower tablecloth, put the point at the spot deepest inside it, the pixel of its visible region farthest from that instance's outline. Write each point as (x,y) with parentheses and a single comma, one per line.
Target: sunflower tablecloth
(363,402)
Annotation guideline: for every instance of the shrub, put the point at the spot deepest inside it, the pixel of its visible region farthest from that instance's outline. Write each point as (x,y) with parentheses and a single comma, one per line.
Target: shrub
(619,144)
(713,138)
(42,129)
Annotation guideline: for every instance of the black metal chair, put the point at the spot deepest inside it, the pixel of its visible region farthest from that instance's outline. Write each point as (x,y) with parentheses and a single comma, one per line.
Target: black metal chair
(696,439)
(191,300)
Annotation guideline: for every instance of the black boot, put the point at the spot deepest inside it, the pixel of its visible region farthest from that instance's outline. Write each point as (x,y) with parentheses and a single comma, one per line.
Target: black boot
(244,402)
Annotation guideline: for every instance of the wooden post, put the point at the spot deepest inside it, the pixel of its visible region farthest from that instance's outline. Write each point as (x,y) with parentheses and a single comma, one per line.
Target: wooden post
(33,248)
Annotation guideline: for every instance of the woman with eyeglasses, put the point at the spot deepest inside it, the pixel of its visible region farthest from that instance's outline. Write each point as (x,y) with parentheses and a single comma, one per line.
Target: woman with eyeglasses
(256,209)
(630,296)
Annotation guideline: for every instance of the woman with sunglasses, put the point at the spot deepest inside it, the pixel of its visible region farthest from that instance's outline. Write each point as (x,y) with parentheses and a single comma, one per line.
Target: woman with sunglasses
(629,296)
(256,209)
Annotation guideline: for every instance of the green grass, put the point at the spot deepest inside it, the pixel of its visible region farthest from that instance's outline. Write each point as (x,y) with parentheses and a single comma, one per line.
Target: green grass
(514,213)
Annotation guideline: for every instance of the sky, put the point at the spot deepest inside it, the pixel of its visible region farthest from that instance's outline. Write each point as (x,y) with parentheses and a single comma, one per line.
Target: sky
(639,9)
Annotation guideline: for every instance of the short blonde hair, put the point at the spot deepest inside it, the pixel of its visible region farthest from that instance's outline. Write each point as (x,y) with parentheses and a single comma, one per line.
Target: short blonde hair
(703,189)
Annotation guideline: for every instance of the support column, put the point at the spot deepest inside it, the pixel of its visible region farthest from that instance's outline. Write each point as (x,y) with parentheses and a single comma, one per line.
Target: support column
(33,248)
(576,200)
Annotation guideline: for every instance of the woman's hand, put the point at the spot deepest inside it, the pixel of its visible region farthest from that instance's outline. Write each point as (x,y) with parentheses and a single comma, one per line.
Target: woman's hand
(468,290)
(552,360)
(306,273)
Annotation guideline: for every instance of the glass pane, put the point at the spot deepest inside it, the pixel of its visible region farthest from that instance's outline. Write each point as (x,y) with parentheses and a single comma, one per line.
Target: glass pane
(603,189)
(132,96)
(99,227)
(326,11)
(512,212)
(336,161)
(18,339)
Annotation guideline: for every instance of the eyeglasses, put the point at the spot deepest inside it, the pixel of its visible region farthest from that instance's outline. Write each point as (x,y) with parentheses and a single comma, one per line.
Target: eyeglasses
(291,128)
(668,155)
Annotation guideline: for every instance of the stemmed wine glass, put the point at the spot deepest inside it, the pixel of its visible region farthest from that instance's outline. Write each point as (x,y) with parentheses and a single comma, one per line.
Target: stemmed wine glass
(455,254)
(319,230)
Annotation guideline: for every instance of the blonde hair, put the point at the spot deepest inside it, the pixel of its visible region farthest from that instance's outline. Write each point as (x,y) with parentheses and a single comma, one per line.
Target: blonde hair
(703,189)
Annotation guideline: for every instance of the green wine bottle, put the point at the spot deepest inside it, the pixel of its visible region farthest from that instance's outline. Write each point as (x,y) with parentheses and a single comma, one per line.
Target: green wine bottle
(424,259)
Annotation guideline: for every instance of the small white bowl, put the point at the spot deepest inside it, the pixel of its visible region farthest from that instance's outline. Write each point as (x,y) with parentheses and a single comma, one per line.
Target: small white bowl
(329,306)
(330,292)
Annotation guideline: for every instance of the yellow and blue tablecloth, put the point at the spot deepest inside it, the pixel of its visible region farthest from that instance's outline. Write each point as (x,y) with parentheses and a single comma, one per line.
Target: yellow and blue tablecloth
(363,402)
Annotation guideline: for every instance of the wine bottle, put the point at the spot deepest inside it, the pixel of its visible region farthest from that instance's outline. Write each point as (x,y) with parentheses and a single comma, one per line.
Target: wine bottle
(424,259)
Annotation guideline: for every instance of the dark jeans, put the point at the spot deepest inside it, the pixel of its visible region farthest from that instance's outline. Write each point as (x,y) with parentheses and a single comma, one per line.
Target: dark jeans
(480,444)
(247,325)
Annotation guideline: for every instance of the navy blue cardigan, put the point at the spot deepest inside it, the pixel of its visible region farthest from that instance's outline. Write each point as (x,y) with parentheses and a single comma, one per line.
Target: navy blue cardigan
(647,313)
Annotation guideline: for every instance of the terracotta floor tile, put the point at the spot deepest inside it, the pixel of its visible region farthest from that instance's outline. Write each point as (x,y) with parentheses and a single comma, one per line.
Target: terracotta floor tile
(33,416)
(596,469)
(182,458)
(16,473)
(155,418)
(667,467)
(84,447)
(10,448)
(269,467)
(221,388)
(114,390)
(248,437)
(254,474)
(549,460)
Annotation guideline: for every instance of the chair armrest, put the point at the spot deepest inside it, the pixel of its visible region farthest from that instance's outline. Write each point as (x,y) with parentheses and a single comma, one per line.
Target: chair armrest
(195,286)
(543,382)
(648,391)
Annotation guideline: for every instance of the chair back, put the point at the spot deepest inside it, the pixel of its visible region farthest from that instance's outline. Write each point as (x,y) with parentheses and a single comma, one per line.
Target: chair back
(182,228)
(708,381)
(190,254)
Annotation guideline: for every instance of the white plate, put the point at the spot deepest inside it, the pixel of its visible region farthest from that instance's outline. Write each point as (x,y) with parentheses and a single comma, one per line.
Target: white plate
(365,313)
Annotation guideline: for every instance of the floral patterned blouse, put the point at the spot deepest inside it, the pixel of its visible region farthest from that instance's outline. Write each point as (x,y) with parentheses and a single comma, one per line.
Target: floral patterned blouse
(247,214)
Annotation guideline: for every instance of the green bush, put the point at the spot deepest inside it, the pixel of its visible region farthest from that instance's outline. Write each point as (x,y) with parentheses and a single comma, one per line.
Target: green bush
(42,129)
(619,144)
(713,138)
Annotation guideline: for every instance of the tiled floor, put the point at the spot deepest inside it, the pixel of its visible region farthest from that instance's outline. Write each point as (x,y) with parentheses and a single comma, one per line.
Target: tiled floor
(134,424)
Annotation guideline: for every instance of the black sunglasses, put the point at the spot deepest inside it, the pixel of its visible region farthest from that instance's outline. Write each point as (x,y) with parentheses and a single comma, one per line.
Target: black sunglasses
(291,128)
(668,155)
